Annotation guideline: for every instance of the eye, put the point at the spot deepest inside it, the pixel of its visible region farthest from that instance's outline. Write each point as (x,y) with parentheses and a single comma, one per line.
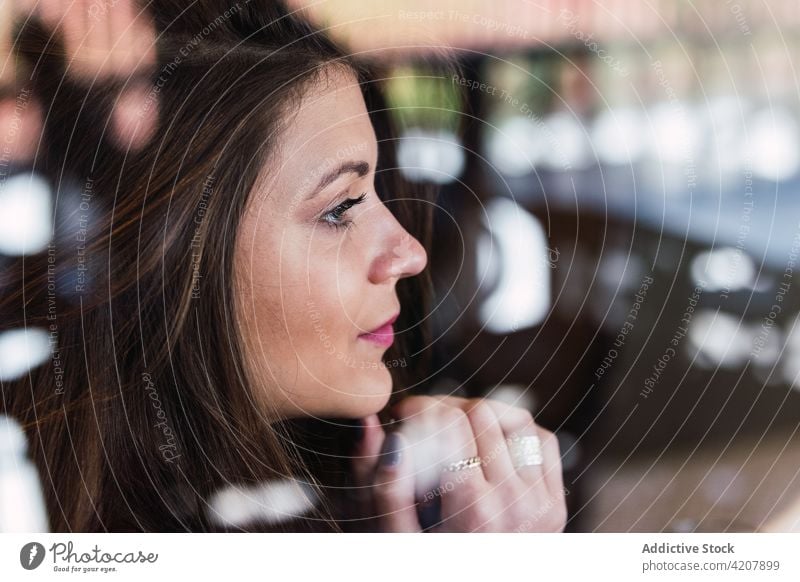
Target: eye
(336,217)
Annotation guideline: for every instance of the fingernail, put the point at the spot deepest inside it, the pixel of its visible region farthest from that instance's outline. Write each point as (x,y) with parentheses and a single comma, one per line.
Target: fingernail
(430,514)
(390,452)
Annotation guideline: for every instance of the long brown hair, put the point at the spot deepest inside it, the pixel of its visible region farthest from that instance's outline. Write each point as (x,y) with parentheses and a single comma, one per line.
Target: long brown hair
(144,409)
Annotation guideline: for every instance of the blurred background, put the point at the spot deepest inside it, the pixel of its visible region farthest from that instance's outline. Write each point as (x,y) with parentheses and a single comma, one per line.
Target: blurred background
(617,234)
(618,230)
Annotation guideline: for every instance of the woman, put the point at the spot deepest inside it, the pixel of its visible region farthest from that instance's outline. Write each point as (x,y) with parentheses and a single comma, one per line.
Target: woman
(221,304)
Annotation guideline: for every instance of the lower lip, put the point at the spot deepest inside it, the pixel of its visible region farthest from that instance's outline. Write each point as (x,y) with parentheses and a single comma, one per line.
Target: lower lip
(383,336)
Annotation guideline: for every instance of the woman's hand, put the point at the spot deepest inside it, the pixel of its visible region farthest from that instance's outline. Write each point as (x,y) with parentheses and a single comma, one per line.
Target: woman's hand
(394,471)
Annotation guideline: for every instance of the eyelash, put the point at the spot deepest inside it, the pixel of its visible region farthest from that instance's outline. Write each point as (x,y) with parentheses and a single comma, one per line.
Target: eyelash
(338,213)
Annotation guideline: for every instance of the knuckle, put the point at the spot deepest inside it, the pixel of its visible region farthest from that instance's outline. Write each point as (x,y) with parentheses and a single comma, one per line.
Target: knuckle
(455,434)
(525,415)
(480,412)
(523,419)
(511,411)
(453,417)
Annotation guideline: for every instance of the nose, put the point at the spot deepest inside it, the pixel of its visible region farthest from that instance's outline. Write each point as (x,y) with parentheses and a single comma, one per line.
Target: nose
(401,256)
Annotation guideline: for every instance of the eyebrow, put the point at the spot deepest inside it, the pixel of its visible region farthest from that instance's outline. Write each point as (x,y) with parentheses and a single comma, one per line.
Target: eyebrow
(361,168)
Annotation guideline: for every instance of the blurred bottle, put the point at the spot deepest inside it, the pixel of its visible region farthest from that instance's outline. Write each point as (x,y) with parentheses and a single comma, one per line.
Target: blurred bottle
(22,508)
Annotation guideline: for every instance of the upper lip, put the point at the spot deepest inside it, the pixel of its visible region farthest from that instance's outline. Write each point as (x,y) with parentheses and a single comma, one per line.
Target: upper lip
(384,324)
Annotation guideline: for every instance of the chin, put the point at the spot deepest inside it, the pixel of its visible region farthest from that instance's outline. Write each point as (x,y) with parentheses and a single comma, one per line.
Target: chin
(359,393)
(370,395)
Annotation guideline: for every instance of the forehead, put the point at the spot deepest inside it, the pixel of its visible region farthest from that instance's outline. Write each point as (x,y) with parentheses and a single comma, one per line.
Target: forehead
(331,125)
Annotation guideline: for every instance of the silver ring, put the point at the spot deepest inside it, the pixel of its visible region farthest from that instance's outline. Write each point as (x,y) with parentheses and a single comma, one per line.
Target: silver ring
(525,451)
(464,464)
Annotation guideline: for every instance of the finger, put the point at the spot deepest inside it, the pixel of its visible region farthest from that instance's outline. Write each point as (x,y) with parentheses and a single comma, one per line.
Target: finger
(547,479)
(427,417)
(364,460)
(553,471)
(516,421)
(511,417)
(513,420)
(491,441)
(394,487)
(367,452)
(467,502)
(438,433)
(533,474)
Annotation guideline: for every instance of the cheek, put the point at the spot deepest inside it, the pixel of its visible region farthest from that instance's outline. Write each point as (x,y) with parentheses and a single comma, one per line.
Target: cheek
(309,299)
(338,374)
(326,302)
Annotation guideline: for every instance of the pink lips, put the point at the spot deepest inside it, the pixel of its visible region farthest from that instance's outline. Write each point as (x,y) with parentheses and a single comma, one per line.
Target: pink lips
(382,336)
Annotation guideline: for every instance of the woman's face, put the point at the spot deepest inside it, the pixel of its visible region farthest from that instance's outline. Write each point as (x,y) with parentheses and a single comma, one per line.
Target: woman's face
(314,275)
